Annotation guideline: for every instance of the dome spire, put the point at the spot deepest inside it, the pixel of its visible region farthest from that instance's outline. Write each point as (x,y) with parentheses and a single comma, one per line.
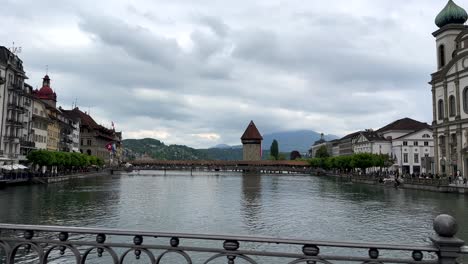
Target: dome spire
(451,14)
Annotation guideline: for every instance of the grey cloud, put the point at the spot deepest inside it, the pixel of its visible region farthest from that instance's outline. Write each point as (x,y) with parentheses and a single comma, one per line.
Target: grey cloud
(284,72)
(137,41)
(215,24)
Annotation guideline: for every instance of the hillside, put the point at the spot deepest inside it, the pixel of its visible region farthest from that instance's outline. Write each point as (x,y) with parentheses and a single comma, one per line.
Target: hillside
(158,150)
(299,140)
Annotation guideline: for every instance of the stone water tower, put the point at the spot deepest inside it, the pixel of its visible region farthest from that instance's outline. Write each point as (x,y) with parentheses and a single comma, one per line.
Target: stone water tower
(252,143)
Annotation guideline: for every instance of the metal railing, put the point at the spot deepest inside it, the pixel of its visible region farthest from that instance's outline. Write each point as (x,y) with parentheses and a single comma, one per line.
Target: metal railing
(84,245)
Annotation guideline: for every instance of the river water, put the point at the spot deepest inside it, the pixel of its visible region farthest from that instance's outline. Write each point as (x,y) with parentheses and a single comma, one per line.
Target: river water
(228,203)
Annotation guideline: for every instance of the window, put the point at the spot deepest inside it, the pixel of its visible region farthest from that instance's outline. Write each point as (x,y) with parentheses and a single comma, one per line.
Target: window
(465,100)
(441,56)
(89,142)
(452,105)
(440,107)
(415,143)
(405,157)
(426,143)
(405,143)
(416,158)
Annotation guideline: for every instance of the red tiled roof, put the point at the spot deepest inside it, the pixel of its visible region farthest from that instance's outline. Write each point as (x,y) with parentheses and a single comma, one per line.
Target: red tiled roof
(404,124)
(46,93)
(251,133)
(87,121)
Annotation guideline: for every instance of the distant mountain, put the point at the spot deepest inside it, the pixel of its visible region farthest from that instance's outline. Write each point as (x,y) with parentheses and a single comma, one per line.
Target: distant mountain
(158,150)
(226,146)
(299,140)
(221,146)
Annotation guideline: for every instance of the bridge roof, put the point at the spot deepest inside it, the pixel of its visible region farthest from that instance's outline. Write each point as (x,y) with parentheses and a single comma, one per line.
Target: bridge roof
(259,163)
(251,133)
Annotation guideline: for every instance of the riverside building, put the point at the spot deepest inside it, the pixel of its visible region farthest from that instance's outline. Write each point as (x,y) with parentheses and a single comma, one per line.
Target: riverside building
(450,91)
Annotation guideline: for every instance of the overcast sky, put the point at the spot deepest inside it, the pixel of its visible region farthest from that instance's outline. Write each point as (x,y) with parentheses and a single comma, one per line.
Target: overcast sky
(196,72)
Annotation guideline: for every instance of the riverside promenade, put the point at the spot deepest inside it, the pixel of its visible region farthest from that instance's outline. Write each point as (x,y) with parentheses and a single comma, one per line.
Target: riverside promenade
(24,178)
(443,185)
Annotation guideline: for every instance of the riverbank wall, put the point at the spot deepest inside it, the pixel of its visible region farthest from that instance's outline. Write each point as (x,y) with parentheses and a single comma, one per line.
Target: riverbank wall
(413,184)
(53,179)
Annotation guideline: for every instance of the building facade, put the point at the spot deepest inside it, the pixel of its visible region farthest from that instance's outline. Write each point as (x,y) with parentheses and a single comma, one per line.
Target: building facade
(372,142)
(414,152)
(251,143)
(27,134)
(12,108)
(94,137)
(40,121)
(450,91)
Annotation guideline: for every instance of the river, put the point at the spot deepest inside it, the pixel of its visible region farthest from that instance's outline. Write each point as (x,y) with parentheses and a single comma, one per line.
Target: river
(229,203)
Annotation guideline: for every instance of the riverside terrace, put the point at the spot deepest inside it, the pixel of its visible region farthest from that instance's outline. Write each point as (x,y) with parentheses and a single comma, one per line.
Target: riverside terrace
(46,244)
(267,166)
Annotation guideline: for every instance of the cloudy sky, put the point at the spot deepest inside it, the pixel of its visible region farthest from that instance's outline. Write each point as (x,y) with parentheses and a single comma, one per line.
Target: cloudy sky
(196,72)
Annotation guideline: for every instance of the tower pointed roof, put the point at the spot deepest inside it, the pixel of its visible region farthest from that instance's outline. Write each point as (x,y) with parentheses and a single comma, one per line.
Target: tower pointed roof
(451,14)
(251,133)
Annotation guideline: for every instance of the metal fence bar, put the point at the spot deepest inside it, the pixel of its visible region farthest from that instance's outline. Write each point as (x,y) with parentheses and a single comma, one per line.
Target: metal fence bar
(445,247)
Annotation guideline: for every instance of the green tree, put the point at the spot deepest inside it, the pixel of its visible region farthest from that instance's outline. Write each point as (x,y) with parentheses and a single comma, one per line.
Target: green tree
(362,161)
(315,163)
(322,152)
(274,149)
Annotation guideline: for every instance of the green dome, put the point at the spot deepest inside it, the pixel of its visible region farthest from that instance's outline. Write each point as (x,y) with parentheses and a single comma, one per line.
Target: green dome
(451,14)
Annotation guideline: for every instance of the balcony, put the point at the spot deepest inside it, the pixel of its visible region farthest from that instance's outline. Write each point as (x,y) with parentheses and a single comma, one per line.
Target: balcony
(15,123)
(12,139)
(27,144)
(16,107)
(15,87)
(12,155)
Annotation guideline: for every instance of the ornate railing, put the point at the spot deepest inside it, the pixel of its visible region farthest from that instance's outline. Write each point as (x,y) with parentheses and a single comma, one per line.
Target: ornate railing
(46,244)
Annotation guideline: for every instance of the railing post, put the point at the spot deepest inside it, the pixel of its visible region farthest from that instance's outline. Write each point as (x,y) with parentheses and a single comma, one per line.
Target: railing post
(446,227)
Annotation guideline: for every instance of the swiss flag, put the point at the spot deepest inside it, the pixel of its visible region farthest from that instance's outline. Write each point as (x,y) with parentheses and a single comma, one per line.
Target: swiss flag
(109,146)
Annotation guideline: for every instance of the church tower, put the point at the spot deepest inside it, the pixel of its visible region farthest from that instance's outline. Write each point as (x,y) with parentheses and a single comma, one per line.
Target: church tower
(450,92)
(252,143)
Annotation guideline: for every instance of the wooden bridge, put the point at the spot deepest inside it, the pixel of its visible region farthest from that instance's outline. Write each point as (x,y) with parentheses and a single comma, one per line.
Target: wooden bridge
(263,166)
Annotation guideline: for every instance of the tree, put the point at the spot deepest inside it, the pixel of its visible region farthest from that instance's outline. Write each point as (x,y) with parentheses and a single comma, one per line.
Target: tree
(274,149)
(295,155)
(362,161)
(322,152)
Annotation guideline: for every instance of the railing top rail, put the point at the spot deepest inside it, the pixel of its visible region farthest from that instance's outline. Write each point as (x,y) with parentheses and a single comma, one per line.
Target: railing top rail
(274,240)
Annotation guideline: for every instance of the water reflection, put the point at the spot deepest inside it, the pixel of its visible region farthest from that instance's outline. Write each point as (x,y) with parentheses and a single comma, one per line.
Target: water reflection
(251,203)
(77,202)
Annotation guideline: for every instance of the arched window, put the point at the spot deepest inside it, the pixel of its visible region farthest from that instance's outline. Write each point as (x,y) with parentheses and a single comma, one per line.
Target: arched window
(452,105)
(441,56)
(465,99)
(440,107)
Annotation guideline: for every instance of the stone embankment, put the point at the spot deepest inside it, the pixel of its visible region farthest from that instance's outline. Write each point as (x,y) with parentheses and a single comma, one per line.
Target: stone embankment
(28,178)
(433,185)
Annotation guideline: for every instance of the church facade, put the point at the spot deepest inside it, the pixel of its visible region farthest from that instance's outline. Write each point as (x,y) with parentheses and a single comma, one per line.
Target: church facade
(450,91)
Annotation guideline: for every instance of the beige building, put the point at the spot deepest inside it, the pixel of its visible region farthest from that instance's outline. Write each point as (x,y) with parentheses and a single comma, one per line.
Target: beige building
(252,143)
(40,122)
(450,91)
(94,138)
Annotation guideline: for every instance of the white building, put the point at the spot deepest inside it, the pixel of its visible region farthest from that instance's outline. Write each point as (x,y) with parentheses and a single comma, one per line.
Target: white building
(27,136)
(372,142)
(414,152)
(450,91)
(11,104)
